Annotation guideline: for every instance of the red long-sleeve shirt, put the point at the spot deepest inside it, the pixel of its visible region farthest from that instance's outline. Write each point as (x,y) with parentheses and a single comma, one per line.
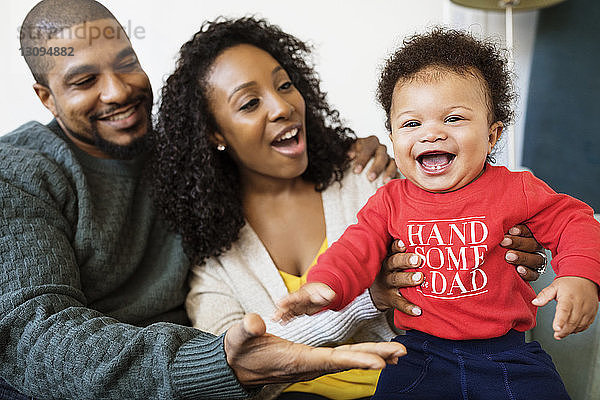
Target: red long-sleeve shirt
(470,291)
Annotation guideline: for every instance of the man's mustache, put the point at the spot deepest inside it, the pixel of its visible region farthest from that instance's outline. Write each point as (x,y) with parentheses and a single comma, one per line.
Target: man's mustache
(101,114)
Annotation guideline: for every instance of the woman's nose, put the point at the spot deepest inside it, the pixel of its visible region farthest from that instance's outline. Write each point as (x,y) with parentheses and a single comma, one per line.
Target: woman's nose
(279,108)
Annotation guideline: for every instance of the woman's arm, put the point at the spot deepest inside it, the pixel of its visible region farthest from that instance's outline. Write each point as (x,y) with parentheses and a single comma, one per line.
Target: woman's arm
(334,327)
(213,306)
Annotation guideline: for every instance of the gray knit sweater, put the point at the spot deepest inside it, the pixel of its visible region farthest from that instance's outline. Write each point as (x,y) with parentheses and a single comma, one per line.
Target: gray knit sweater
(91,283)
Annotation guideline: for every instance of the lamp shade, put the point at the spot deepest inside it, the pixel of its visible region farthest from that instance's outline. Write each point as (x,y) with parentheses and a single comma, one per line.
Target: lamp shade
(500,5)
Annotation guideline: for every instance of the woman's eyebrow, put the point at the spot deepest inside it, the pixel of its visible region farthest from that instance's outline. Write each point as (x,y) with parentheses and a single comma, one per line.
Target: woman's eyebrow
(240,87)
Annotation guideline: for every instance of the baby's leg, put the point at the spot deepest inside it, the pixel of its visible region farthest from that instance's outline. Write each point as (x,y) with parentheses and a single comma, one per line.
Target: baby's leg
(504,368)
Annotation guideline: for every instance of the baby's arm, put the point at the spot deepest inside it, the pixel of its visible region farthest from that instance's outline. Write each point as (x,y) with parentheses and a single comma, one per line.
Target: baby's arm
(577,304)
(309,299)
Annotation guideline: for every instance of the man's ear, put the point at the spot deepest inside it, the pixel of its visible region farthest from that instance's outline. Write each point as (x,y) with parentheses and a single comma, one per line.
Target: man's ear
(494,134)
(46,97)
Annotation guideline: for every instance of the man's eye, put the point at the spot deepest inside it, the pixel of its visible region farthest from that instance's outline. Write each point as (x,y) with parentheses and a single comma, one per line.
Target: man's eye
(83,82)
(129,66)
(249,105)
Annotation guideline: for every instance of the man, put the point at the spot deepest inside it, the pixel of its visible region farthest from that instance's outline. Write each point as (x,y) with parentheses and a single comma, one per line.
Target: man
(87,268)
(92,284)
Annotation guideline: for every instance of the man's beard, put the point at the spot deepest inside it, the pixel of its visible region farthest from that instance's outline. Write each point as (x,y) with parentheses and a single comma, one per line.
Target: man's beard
(123,152)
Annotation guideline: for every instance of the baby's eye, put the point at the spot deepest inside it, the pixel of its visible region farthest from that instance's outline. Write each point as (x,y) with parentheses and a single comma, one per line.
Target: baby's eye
(453,118)
(411,124)
(249,105)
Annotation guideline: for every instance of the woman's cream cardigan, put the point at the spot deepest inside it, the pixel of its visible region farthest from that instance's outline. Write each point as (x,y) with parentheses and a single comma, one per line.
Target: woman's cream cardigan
(245,280)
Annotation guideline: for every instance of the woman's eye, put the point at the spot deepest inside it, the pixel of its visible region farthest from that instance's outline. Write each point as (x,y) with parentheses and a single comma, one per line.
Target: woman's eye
(286,86)
(411,124)
(249,105)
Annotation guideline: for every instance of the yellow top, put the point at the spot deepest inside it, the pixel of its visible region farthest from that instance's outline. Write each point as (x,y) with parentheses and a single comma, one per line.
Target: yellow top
(345,385)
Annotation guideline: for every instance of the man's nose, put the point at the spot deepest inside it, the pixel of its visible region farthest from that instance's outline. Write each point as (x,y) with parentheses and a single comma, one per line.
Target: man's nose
(114,89)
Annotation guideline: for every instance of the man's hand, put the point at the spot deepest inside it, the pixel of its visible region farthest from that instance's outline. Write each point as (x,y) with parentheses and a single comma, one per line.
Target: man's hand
(366,148)
(523,252)
(577,304)
(309,299)
(258,358)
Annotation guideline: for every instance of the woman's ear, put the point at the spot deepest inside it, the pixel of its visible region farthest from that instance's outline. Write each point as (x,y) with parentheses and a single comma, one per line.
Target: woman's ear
(494,134)
(218,140)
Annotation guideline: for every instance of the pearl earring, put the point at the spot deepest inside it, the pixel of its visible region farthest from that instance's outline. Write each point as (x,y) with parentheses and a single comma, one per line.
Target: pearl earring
(220,147)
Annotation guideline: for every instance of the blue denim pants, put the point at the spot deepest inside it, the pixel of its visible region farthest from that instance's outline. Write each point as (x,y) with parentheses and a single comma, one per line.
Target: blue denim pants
(503,368)
(9,393)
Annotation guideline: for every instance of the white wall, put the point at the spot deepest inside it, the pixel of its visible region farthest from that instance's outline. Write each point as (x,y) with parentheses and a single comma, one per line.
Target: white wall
(351,38)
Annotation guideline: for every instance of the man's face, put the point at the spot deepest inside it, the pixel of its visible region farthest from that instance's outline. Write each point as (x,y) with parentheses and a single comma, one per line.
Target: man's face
(100,95)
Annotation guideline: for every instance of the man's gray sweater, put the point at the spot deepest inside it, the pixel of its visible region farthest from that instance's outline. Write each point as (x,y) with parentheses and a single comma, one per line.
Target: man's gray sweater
(91,283)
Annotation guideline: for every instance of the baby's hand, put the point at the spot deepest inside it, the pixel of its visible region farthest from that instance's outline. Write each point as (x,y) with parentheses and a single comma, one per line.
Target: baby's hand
(577,304)
(309,299)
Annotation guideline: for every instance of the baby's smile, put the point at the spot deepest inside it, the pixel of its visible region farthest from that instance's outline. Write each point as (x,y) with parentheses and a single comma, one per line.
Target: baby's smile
(435,162)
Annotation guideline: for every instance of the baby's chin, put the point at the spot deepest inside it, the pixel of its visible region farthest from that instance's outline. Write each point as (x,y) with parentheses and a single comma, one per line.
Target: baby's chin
(440,185)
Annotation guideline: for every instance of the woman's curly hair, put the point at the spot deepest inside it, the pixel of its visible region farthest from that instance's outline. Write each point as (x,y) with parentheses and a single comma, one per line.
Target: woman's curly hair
(458,52)
(197,188)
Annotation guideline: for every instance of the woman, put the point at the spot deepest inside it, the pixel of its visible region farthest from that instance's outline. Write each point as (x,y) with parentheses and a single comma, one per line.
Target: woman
(251,169)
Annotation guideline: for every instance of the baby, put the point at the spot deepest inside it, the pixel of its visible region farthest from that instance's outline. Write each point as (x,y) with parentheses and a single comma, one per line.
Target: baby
(447,99)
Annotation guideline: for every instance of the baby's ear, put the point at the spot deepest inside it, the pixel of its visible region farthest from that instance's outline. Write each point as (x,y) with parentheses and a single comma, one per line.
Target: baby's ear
(494,134)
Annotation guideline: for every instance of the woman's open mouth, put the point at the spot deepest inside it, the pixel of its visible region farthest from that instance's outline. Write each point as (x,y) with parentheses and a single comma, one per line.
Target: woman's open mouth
(290,143)
(435,162)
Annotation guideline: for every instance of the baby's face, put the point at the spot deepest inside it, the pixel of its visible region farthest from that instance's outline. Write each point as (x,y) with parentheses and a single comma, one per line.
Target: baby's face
(440,129)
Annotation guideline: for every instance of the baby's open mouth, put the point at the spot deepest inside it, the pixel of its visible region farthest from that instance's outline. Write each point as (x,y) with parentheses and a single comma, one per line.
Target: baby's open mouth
(435,161)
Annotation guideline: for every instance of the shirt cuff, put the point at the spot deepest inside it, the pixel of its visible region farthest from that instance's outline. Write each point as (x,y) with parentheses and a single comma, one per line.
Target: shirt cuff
(200,370)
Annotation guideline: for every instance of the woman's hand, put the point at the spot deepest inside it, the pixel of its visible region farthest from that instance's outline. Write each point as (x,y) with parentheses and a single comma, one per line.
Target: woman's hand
(385,291)
(523,252)
(366,148)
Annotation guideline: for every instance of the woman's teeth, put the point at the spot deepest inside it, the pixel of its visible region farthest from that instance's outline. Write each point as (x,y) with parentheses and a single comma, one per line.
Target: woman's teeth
(288,135)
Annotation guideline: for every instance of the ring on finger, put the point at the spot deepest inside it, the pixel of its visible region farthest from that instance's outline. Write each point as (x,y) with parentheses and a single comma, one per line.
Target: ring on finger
(541,269)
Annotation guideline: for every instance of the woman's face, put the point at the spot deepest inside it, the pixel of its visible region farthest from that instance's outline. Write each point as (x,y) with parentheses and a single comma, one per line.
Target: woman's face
(259,113)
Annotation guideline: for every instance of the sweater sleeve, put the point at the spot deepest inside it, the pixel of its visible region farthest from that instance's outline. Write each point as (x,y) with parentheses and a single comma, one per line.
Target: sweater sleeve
(565,226)
(53,345)
(328,327)
(351,264)
(213,306)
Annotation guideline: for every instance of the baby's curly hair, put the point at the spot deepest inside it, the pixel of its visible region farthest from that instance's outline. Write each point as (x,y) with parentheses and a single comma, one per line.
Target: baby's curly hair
(197,188)
(455,51)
